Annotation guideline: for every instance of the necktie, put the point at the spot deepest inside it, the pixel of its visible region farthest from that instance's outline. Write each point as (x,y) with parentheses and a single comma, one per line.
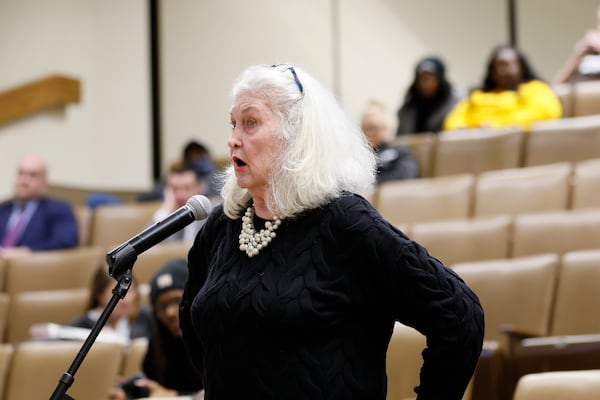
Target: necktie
(13,233)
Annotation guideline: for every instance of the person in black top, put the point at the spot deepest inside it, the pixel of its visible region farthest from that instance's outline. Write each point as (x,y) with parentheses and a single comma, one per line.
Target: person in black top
(393,161)
(428,100)
(167,371)
(295,280)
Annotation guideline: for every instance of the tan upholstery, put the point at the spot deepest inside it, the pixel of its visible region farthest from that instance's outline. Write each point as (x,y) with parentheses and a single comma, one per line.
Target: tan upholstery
(83,215)
(464,240)
(586,184)
(404,361)
(566,95)
(6,354)
(559,385)
(586,99)
(50,270)
(28,308)
(516,291)
(576,308)
(426,199)
(522,190)
(134,356)
(116,223)
(556,232)
(477,150)
(155,257)
(4,307)
(566,139)
(38,366)
(421,146)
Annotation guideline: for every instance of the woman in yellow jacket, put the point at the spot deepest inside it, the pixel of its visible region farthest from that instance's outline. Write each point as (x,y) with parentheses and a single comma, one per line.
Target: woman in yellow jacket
(511,94)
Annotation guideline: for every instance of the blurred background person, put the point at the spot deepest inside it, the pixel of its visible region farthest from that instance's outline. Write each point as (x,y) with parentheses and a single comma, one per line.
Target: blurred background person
(130,319)
(511,94)
(393,161)
(428,100)
(181,183)
(166,369)
(33,221)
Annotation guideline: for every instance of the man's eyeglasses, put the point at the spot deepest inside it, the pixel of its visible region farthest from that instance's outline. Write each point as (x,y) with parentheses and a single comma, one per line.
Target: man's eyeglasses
(293,71)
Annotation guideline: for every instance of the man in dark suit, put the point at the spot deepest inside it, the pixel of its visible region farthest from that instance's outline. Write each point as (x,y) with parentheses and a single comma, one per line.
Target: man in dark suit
(32,221)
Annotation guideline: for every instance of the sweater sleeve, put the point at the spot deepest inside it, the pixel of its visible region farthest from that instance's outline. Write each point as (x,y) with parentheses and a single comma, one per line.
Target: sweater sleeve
(417,290)
(537,102)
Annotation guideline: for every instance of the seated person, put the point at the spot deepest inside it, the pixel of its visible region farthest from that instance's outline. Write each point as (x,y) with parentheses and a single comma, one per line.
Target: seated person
(181,184)
(166,369)
(428,100)
(511,94)
(129,318)
(33,221)
(393,162)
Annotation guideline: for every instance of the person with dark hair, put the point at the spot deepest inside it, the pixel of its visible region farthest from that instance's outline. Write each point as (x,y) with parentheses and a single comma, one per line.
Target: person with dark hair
(295,280)
(428,100)
(511,94)
(166,369)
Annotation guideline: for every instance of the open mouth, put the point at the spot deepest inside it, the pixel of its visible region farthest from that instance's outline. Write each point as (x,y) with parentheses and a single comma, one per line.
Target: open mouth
(238,162)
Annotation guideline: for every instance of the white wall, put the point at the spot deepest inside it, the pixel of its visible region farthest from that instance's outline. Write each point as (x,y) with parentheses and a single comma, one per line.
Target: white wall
(105,140)
(361,49)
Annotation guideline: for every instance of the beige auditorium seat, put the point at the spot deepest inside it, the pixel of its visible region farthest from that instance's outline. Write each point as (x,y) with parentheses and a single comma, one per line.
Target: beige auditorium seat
(116,223)
(421,146)
(556,232)
(586,184)
(4,307)
(477,150)
(559,385)
(464,239)
(55,269)
(83,215)
(565,139)
(29,308)
(513,291)
(155,257)
(566,95)
(586,98)
(426,199)
(134,356)
(522,190)
(6,353)
(37,367)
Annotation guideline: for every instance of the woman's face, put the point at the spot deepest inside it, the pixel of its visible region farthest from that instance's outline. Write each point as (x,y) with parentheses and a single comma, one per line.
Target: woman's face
(166,308)
(427,83)
(253,144)
(506,70)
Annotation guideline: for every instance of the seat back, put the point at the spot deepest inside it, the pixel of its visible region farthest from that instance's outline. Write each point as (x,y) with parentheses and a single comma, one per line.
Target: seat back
(6,354)
(477,150)
(134,356)
(522,190)
(422,147)
(426,199)
(149,262)
(517,291)
(4,307)
(586,184)
(576,308)
(116,223)
(586,98)
(404,361)
(559,385)
(38,366)
(565,139)
(83,216)
(29,308)
(556,232)
(566,95)
(465,239)
(53,270)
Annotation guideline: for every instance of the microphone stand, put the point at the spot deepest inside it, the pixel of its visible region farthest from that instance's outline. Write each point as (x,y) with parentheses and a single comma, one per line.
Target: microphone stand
(118,262)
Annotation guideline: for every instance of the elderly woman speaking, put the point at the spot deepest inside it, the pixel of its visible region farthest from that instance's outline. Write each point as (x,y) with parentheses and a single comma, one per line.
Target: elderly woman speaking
(295,280)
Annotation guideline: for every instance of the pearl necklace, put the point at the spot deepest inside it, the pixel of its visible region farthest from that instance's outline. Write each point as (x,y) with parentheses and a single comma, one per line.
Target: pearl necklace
(251,242)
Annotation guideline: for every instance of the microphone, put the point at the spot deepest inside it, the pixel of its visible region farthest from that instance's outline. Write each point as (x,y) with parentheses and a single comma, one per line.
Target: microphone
(122,257)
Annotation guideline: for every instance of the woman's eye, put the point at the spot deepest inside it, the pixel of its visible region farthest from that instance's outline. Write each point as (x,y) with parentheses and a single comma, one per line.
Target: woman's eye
(232,124)
(251,123)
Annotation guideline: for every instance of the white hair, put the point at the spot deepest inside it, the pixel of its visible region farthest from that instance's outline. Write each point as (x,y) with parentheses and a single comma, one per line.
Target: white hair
(323,153)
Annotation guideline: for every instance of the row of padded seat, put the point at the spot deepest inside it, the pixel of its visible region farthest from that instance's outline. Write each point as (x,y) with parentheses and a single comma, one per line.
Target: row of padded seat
(579,98)
(483,149)
(31,370)
(548,296)
(512,191)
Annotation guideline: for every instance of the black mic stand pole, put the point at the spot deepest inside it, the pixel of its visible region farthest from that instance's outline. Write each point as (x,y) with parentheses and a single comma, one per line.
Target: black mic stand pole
(118,261)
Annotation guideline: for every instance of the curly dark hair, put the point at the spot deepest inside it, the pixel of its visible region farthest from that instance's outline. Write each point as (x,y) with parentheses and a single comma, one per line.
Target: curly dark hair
(527,72)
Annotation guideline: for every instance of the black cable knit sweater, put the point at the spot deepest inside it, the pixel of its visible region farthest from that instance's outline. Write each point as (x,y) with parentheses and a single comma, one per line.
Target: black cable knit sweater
(310,316)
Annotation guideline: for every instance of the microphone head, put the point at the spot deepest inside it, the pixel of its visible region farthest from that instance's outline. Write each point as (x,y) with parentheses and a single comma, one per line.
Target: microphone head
(200,206)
